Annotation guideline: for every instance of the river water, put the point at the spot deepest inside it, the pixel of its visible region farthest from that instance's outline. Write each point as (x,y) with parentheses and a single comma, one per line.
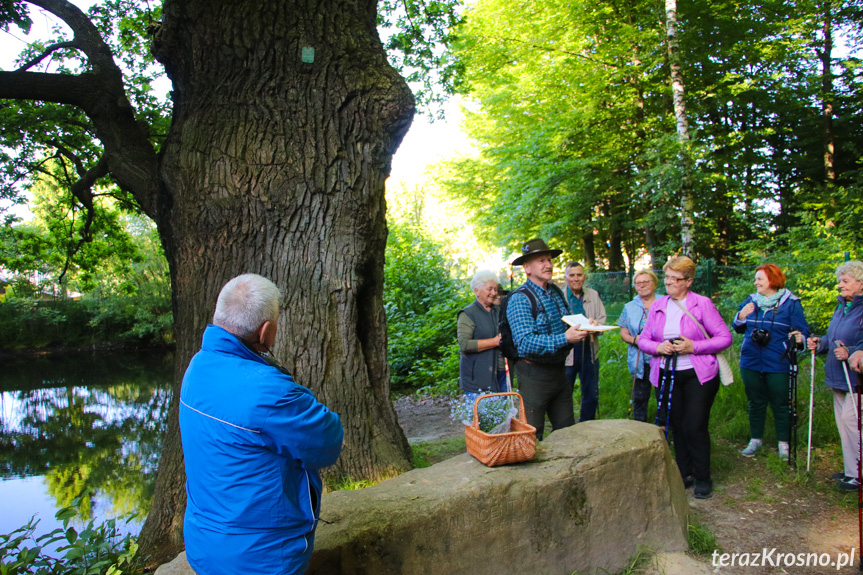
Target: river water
(79,421)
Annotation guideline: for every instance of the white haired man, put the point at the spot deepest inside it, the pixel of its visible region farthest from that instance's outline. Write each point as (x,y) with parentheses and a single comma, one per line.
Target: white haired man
(582,360)
(254,442)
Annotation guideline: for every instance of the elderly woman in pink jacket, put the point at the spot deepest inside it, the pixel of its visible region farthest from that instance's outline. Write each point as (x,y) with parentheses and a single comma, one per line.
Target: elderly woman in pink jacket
(683,333)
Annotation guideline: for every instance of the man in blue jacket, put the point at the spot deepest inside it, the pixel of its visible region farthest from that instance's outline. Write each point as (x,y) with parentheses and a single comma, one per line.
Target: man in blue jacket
(253,442)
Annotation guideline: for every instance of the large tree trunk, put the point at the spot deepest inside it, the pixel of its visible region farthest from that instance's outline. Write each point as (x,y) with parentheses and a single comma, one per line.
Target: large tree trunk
(286,117)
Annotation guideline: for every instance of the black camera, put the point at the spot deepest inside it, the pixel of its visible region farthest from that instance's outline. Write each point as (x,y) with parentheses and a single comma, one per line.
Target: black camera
(761,336)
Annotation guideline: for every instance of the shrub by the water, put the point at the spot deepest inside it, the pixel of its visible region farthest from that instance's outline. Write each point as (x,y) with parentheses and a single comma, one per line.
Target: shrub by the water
(95,549)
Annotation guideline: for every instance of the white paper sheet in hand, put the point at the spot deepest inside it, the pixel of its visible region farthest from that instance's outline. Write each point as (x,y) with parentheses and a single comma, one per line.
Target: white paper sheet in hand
(580,320)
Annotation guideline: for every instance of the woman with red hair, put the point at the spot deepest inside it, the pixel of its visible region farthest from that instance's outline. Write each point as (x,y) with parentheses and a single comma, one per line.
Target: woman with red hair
(768,318)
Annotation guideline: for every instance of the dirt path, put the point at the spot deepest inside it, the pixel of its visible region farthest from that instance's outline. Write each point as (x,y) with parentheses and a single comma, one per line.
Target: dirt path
(427,419)
(751,510)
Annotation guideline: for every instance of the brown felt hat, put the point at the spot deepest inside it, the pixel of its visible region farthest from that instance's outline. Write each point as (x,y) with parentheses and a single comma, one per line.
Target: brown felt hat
(532,248)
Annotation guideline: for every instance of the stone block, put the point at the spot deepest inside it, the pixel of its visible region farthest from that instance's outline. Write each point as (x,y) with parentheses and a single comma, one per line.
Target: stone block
(594,493)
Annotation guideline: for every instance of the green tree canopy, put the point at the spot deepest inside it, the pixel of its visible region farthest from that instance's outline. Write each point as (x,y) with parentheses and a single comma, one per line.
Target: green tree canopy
(576,132)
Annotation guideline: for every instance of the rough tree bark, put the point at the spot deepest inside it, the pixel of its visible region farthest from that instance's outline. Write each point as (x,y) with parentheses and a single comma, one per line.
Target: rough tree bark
(678,95)
(286,115)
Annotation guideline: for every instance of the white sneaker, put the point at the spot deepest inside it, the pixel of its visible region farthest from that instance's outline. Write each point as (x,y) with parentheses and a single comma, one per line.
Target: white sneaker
(754,445)
(783,451)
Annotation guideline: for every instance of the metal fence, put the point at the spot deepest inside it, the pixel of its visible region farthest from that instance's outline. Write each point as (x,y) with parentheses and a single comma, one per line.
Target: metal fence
(728,286)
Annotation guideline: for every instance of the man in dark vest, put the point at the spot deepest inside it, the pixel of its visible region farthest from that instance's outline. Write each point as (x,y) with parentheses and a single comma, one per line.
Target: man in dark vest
(543,341)
(481,365)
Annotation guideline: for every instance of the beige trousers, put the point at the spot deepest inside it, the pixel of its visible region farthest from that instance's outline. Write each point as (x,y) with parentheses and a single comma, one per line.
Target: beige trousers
(846,422)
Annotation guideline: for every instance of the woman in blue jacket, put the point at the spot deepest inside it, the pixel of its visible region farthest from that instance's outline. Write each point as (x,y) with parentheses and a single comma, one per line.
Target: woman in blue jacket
(843,339)
(768,318)
(631,322)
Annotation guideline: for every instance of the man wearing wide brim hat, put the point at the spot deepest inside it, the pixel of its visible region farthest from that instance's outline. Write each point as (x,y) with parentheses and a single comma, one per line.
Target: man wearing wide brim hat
(534,247)
(542,339)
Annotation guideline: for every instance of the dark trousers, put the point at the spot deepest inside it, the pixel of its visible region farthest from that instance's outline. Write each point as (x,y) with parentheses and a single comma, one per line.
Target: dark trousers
(586,370)
(641,395)
(691,402)
(545,389)
(762,389)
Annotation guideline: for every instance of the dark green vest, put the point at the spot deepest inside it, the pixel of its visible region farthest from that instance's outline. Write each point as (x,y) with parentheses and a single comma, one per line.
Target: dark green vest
(478,371)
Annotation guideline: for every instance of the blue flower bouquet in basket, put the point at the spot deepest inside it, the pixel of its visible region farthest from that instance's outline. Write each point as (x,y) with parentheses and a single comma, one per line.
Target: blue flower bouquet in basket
(511,445)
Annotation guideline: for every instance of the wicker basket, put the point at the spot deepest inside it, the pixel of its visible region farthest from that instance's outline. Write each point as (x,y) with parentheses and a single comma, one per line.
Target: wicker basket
(501,448)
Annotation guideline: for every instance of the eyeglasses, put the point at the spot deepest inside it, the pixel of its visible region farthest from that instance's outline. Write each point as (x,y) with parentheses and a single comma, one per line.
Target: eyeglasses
(644,283)
(673,280)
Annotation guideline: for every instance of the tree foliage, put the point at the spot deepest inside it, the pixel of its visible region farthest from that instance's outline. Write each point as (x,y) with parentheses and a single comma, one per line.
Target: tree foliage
(420,35)
(422,300)
(576,128)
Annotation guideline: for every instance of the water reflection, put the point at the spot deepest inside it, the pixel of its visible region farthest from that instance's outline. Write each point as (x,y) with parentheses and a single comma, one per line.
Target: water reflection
(86,421)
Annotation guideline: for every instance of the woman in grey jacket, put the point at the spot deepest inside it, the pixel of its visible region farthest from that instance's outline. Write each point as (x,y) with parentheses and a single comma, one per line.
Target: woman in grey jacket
(481,367)
(843,336)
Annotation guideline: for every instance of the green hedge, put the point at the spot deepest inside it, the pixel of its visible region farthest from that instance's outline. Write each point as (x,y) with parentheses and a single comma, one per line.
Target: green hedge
(116,321)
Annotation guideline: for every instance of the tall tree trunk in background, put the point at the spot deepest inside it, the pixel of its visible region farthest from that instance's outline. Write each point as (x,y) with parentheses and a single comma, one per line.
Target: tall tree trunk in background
(653,247)
(677,90)
(826,57)
(589,246)
(615,234)
(285,121)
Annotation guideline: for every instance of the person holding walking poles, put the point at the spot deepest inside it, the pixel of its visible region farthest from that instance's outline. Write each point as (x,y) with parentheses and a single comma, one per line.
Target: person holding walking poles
(689,325)
(843,339)
(631,322)
(767,318)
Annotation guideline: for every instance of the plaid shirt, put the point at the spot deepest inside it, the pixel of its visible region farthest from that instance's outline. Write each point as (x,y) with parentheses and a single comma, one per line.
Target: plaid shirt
(541,340)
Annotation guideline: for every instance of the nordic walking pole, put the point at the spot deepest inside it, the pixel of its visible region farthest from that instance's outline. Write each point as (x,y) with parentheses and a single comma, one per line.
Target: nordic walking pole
(670,391)
(859,475)
(792,400)
(668,377)
(508,383)
(811,405)
(848,381)
(659,403)
(634,377)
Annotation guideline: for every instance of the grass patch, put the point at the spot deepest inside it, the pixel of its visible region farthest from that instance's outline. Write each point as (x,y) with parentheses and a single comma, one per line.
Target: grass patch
(701,539)
(638,564)
(428,453)
(755,490)
(346,483)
